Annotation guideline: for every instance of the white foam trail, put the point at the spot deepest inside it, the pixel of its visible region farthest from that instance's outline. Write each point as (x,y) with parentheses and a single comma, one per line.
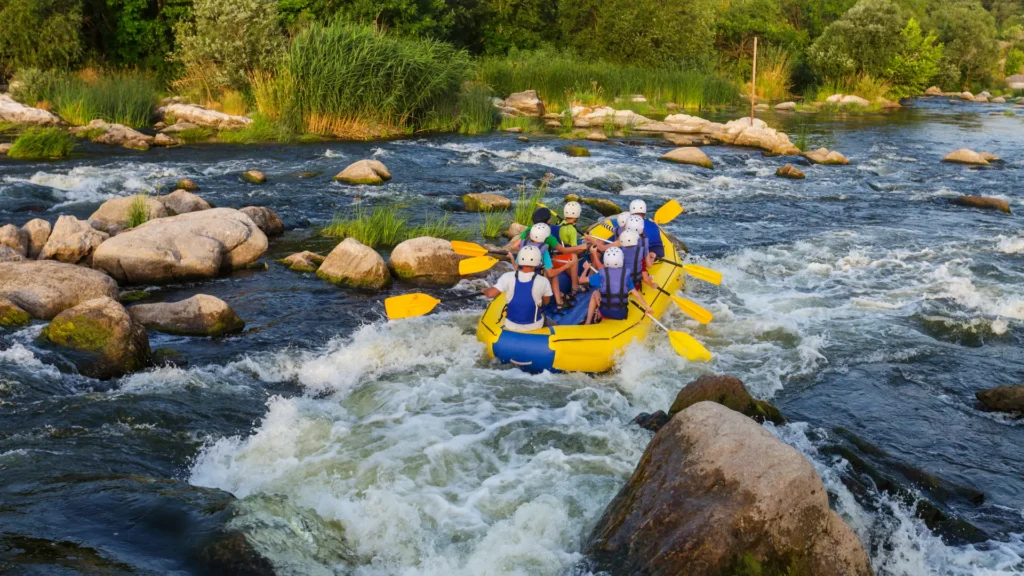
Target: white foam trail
(1010,244)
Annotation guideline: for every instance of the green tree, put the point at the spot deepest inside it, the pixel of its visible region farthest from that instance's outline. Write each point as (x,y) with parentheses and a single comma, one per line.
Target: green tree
(813,16)
(968,32)
(423,18)
(915,64)
(744,19)
(864,40)
(141,32)
(39,34)
(644,32)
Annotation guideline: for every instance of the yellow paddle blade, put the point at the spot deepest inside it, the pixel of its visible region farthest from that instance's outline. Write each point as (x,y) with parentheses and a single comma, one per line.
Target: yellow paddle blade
(668,212)
(693,310)
(468,248)
(702,273)
(476,265)
(688,347)
(409,305)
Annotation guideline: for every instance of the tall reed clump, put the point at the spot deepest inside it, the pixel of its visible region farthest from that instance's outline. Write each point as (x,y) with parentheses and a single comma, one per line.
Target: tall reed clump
(118,97)
(554,74)
(354,81)
(386,226)
(138,212)
(774,73)
(527,200)
(493,224)
(42,144)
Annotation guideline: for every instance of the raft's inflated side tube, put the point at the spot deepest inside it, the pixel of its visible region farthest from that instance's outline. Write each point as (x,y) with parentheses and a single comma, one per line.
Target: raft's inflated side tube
(578,348)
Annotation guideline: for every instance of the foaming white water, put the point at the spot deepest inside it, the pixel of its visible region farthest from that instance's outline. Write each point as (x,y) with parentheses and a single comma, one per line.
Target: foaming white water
(1010,244)
(98,183)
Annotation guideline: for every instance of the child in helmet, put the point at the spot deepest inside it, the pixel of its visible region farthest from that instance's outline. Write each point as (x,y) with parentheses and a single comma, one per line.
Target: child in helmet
(634,250)
(526,292)
(613,286)
(651,230)
(538,236)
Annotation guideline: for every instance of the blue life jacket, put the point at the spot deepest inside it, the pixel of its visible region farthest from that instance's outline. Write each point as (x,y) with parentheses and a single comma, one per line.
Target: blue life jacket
(522,309)
(614,296)
(653,234)
(633,261)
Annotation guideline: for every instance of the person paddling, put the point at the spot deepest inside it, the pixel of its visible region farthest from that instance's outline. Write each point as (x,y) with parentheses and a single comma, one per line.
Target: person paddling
(651,230)
(526,292)
(613,288)
(540,235)
(634,250)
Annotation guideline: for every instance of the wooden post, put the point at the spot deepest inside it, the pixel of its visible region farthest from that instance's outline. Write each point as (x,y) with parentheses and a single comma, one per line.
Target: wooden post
(753,85)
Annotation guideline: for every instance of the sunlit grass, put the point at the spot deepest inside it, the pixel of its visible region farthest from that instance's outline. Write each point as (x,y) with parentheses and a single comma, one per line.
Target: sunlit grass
(42,144)
(527,200)
(138,212)
(386,226)
(494,224)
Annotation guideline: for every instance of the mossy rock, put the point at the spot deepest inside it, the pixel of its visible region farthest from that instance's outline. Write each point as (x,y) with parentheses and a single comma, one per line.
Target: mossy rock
(576,151)
(308,174)
(729,392)
(186,185)
(130,296)
(254,177)
(11,316)
(103,335)
(605,207)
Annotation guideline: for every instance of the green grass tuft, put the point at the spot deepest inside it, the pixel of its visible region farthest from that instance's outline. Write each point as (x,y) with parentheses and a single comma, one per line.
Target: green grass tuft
(119,97)
(1009,113)
(386,226)
(260,129)
(527,200)
(42,144)
(138,212)
(198,134)
(441,227)
(494,224)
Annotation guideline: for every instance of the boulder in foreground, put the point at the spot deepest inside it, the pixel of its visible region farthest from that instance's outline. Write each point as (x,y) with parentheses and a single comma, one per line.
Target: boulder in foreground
(370,172)
(266,219)
(11,315)
(715,493)
(688,155)
(189,246)
(109,344)
(112,216)
(72,241)
(46,288)
(353,264)
(304,261)
(729,392)
(14,238)
(426,260)
(38,231)
(17,113)
(200,315)
(983,202)
(1003,399)
(965,156)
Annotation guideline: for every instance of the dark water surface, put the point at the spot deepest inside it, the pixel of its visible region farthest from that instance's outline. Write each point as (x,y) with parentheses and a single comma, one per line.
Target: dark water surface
(858,300)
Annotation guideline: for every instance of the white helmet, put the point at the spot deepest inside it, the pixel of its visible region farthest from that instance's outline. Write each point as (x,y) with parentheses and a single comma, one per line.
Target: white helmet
(621,219)
(635,222)
(629,238)
(614,258)
(540,232)
(638,207)
(529,256)
(572,210)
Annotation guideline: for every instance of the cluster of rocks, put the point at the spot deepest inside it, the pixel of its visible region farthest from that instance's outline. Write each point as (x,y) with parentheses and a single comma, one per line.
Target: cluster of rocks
(527,104)
(15,112)
(965,96)
(193,115)
(716,493)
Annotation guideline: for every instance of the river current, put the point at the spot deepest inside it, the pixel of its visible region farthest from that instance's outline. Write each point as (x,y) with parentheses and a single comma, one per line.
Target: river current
(859,301)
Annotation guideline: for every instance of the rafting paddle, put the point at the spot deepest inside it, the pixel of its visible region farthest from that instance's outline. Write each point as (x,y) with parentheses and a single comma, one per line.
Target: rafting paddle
(476,265)
(416,304)
(684,344)
(668,212)
(699,272)
(690,308)
(470,249)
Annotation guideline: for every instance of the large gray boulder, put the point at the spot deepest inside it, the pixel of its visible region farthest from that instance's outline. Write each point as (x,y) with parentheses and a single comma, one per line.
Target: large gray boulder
(108,344)
(426,260)
(267,220)
(966,156)
(715,493)
(112,216)
(38,231)
(46,288)
(182,202)
(526,103)
(369,172)
(200,315)
(72,241)
(200,116)
(353,264)
(17,113)
(14,238)
(688,155)
(188,246)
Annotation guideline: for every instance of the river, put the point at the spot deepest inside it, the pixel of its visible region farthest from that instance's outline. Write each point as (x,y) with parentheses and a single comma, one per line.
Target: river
(859,301)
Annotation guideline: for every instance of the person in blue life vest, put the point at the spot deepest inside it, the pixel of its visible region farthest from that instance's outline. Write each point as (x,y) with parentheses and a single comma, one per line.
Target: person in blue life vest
(613,287)
(539,235)
(651,230)
(634,250)
(526,292)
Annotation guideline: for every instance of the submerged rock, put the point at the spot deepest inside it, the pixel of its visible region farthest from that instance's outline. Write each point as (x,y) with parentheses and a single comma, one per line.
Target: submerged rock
(17,113)
(188,246)
(182,201)
(72,241)
(485,202)
(604,207)
(102,132)
(14,238)
(984,202)
(104,333)
(266,219)
(200,315)
(688,155)
(112,216)
(305,261)
(575,151)
(254,177)
(201,116)
(965,156)
(786,106)
(187,185)
(729,392)
(990,157)
(715,493)
(652,422)
(826,157)
(426,260)
(353,264)
(1003,398)
(371,172)
(46,288)
(790,171)
(11,315)
(38,231)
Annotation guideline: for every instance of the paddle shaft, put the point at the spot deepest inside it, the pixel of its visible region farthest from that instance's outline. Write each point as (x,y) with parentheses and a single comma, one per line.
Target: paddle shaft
(653,319)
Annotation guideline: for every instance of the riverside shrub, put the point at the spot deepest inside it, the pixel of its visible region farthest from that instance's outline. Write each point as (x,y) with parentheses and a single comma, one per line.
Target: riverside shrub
(864,40)
(968,32)
(912,68)
(39,34)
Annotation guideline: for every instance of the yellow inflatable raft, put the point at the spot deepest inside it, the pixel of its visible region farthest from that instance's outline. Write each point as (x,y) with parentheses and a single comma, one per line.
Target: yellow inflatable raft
(579,348)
